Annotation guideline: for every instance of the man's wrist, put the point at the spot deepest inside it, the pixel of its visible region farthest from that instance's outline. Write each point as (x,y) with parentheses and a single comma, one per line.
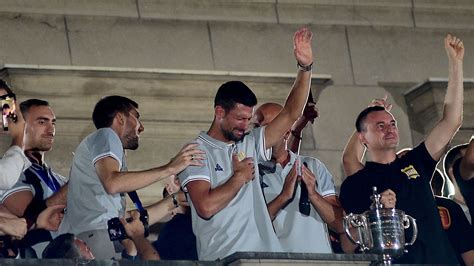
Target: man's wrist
(296,134)
(304,68)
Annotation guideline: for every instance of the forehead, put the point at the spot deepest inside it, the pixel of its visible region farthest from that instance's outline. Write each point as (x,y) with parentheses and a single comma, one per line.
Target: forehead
(241,110)
(2,92)
(380,116)
(35,112)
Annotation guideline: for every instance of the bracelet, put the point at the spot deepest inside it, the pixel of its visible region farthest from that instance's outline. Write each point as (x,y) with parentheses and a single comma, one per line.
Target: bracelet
(175,201)
(297,136)
(304,68)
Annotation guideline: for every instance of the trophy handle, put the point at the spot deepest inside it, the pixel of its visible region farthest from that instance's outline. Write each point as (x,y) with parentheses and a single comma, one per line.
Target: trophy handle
(406,224)
(357,221)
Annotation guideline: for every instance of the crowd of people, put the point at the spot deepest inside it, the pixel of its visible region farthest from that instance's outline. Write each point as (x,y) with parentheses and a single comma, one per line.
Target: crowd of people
(240,186)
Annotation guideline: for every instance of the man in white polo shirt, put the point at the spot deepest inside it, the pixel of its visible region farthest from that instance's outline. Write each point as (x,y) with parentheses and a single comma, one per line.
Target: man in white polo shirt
(228,209)
(99,176)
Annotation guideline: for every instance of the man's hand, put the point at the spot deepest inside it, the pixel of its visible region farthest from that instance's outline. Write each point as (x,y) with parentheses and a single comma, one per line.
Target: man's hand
(310,113)
(51,218)
(309,179)
(17,129)
(244,170)
(388,198)
(302,46)
(134,229)
(381,102)
(288,189)
(15,227)
(454,48)
(188,155)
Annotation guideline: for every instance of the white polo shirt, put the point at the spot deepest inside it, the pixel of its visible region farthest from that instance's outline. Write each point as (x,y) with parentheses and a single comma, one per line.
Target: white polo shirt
(244,224)
(296,232)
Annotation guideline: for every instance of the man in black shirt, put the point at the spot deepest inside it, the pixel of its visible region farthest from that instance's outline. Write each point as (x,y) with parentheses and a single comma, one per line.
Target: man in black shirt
(459,167)
(408,176)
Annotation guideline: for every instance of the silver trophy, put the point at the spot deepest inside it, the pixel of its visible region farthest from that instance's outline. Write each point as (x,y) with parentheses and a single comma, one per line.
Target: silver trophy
(381,231)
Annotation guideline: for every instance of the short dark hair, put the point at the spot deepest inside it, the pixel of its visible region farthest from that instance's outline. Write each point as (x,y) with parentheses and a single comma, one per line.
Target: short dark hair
(4,85)
(26,105)
(233,92)
(62,247)
(107,107)
(451,156)
(363,116)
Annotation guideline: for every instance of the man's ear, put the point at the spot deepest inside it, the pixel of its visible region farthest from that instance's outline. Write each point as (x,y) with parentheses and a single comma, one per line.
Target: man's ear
(362,139)
(219,112)
(120,118)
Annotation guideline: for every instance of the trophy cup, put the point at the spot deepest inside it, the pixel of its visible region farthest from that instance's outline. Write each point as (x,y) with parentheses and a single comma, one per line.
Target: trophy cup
(381,231)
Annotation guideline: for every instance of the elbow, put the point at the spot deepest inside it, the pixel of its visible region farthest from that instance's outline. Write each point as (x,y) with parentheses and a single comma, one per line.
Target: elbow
(111,188)
(205,211)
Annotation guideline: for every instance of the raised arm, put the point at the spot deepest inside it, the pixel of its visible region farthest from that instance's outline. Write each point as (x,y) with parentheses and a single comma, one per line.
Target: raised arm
(115,181)
(296,100)
(14,161)
(310,113)
(353,155)
(439,138)
(467,162)
(208,201)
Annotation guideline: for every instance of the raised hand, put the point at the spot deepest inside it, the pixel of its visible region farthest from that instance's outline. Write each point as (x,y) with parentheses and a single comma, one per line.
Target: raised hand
(51,218)
(454,48)
(381,102)
(188,155)
(302,46)
(244,170)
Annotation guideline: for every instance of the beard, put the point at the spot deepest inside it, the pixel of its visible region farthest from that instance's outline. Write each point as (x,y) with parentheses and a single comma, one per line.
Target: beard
(230,136)
(131,143)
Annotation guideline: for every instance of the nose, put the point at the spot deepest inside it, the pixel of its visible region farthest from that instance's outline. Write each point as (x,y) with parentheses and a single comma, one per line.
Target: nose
(141,128)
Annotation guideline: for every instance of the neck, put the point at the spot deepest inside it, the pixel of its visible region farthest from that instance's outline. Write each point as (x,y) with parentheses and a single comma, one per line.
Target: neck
(280,155)
(36,156)
(383,156)
(216,133)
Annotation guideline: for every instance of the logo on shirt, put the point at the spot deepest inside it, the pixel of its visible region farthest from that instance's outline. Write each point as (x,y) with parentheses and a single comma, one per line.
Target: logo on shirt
(445,217)
(411,172)
(218,168)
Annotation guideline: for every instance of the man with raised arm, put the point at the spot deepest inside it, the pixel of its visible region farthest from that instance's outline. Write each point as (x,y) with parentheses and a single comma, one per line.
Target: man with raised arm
(228,209)
(407,177)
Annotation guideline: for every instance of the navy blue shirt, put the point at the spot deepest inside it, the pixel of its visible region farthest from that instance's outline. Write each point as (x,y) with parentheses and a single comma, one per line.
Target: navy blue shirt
(176,240)
(409,178)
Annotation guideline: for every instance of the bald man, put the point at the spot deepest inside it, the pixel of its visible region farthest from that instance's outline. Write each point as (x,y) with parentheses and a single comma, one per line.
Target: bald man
(298,232)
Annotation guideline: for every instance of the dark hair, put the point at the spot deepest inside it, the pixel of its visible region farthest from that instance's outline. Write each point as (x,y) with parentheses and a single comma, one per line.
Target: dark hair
(62,247)
(107,107)
(363,115)
(437,183)
(452,155)
(233,92)
(4,85)
(26,105)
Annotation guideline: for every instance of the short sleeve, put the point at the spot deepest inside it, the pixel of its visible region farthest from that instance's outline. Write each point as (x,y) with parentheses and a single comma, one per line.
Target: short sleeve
(106,143)
(263,153)
(325,180)
(20,185)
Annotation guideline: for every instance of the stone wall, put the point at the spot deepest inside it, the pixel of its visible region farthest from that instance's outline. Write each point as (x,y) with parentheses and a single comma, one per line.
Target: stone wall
(368,48)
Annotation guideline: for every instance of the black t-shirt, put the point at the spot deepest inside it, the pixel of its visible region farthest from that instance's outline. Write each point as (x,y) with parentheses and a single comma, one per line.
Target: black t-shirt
(466,187)
(456,225)
(176,240)
(409,178)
